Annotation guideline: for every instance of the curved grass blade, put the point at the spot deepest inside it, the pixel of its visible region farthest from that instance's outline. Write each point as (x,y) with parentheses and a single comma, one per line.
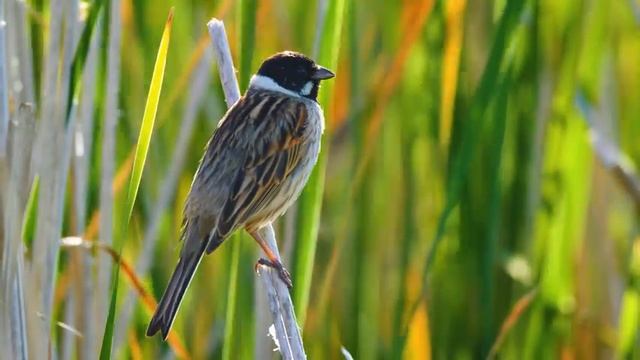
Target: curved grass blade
(142,147)
(80,57)
(146,298)
(149,116)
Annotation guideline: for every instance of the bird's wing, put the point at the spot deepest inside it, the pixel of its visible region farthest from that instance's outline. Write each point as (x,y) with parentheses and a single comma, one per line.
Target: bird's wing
(270,158)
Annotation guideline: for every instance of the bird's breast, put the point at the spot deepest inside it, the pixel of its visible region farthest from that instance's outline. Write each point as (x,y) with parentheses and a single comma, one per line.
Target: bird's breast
(311,148)
(292,185)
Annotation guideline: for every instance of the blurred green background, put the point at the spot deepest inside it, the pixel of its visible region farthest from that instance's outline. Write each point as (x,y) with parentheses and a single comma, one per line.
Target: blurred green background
(476,196)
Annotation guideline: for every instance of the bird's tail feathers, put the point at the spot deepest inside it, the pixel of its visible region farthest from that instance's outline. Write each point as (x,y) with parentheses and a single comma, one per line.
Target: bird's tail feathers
(170,302)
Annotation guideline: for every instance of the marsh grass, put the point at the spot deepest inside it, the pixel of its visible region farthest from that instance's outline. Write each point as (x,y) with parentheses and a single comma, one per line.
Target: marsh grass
(475,154)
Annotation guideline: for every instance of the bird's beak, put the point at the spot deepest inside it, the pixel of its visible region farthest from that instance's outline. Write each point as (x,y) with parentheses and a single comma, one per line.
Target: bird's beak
(322,73)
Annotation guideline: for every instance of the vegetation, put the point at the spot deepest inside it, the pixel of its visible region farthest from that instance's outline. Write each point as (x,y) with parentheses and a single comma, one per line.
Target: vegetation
(476,195)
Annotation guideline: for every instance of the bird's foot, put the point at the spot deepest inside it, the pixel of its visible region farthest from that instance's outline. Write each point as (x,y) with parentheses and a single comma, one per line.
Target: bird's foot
(277,265)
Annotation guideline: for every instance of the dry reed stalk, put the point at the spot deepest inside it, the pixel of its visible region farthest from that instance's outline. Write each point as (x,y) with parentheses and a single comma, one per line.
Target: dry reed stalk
(108,157)
(51,161)
(83,261)
(287,332)
(12,298)
(4,82)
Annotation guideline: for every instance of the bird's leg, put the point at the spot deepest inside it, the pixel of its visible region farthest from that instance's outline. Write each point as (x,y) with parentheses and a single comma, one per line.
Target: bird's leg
(272,260)
(282,272)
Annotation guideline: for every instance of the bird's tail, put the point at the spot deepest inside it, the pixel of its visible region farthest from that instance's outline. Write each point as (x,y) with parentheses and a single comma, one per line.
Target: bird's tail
(170,302)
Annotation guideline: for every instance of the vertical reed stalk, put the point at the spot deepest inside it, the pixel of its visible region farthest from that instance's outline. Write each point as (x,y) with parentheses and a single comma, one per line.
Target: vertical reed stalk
(287,332)
(4,84)
(283,316)
(14,326)
(231,94)
(51,161)
(108,153)
(83,145)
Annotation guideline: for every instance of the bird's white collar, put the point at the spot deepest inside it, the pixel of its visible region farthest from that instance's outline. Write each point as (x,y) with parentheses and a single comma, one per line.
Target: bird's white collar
(267,83)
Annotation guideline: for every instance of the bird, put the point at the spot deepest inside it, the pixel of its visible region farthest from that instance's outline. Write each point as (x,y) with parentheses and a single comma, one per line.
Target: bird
(254,167)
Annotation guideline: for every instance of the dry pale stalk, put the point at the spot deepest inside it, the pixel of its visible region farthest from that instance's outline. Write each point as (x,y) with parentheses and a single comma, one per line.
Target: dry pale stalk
(286,328)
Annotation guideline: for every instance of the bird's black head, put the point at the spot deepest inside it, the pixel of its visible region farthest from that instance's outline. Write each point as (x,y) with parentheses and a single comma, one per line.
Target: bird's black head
(294,72)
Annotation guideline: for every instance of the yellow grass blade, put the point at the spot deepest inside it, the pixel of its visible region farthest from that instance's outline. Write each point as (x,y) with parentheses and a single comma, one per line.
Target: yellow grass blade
(149,117)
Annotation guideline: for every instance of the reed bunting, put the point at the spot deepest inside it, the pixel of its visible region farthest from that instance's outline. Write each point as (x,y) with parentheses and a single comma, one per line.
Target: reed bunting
(253,169)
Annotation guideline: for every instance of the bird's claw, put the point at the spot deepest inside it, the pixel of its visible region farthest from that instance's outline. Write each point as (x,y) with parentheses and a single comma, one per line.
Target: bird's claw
(277,265)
